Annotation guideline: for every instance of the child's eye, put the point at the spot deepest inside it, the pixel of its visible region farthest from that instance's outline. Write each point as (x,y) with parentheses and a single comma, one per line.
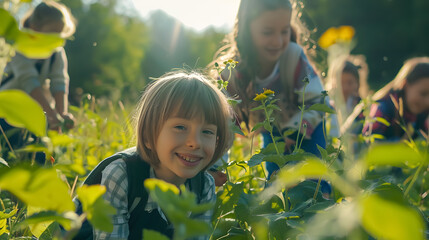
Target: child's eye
(209,132)
(180,127)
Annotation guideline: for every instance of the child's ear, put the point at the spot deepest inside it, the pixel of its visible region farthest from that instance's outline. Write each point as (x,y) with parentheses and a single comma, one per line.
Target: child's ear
(147,145)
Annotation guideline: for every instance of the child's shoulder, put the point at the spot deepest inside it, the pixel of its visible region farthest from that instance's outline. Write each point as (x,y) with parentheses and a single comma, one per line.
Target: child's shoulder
(117,167)
(208,179)
(208,192)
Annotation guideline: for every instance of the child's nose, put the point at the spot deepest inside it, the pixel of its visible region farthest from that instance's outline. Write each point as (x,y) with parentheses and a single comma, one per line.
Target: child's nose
(278,41)
(193,140)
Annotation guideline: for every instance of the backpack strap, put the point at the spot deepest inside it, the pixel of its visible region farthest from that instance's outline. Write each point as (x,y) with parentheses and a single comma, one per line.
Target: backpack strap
(94,177)
(196,185)
(137,171)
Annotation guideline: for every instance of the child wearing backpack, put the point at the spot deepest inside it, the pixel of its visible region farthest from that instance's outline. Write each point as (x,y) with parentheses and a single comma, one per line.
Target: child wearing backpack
(182,128)
(31,75)
(45,80)
(263,43)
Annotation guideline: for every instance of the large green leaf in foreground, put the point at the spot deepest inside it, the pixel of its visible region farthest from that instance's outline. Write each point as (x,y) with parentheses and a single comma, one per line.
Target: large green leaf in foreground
(385,219)
(37,45)
(98,211)
(20,110)
(8,27)
(37,187)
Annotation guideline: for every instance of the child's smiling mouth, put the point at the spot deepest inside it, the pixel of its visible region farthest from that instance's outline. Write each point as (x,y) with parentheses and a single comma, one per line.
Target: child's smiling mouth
(189,158)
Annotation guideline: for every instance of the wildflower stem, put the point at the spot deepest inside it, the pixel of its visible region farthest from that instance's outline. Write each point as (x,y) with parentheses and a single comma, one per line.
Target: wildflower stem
(267,116)
(7,140)
(330,164)
(302,116)
(416,174)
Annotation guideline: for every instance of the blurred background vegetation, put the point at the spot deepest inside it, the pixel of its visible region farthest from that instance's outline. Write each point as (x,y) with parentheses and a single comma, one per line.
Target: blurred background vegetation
(115,51)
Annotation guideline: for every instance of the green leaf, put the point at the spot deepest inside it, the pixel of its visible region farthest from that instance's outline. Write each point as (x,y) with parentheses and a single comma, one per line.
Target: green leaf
(34,186)
(319,207)
(397,154)
(382,120)
(271,148)
(321,108)
(37,45)
(273,107)
(310,168)
(273,205)
(256,160)
(267,126)
(151,234)
(8,27)
(16,106)
(177,208)
(302,192)
(385,219)
(98,211)
(235,233)
(257,126)
(336,221)
(33,148)
(323,153)
(228,198)
(3,229)
(40,221)
(289,132)
(50,232)
(237,129)
(4,215)
(257,108)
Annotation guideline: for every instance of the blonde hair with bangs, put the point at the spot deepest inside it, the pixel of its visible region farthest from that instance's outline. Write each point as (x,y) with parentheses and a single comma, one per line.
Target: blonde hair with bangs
(185,95)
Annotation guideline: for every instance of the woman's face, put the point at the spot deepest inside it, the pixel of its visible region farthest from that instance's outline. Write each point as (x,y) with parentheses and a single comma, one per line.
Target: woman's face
(417,96)
(350,85)
(270,34)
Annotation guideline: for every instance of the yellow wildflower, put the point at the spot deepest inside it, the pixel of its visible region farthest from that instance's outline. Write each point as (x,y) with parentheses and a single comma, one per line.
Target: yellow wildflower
(328,38)
(268,92)
(230,62)
(260,97)
(346,33)
(335,35)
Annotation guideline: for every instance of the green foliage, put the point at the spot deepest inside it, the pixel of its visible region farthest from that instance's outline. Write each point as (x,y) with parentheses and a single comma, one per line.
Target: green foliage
(16,106)
(368,197)
(34,187)
(386,219)
(98,212)
(178,208)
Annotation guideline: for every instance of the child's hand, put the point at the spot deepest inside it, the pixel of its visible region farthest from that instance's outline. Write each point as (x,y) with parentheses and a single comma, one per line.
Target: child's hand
(69,121)
(219,177)
(289,144)
(54,122)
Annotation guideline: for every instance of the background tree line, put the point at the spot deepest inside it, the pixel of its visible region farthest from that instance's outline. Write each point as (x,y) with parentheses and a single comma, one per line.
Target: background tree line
(115,52)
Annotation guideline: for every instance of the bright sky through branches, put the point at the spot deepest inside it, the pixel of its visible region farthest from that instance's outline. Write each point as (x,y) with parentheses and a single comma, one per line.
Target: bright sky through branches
(195,14)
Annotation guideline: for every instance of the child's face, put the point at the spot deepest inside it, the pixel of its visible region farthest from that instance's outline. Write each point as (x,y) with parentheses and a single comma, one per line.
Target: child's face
(271,34)
(350,85)
(417,96)
(184,148)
